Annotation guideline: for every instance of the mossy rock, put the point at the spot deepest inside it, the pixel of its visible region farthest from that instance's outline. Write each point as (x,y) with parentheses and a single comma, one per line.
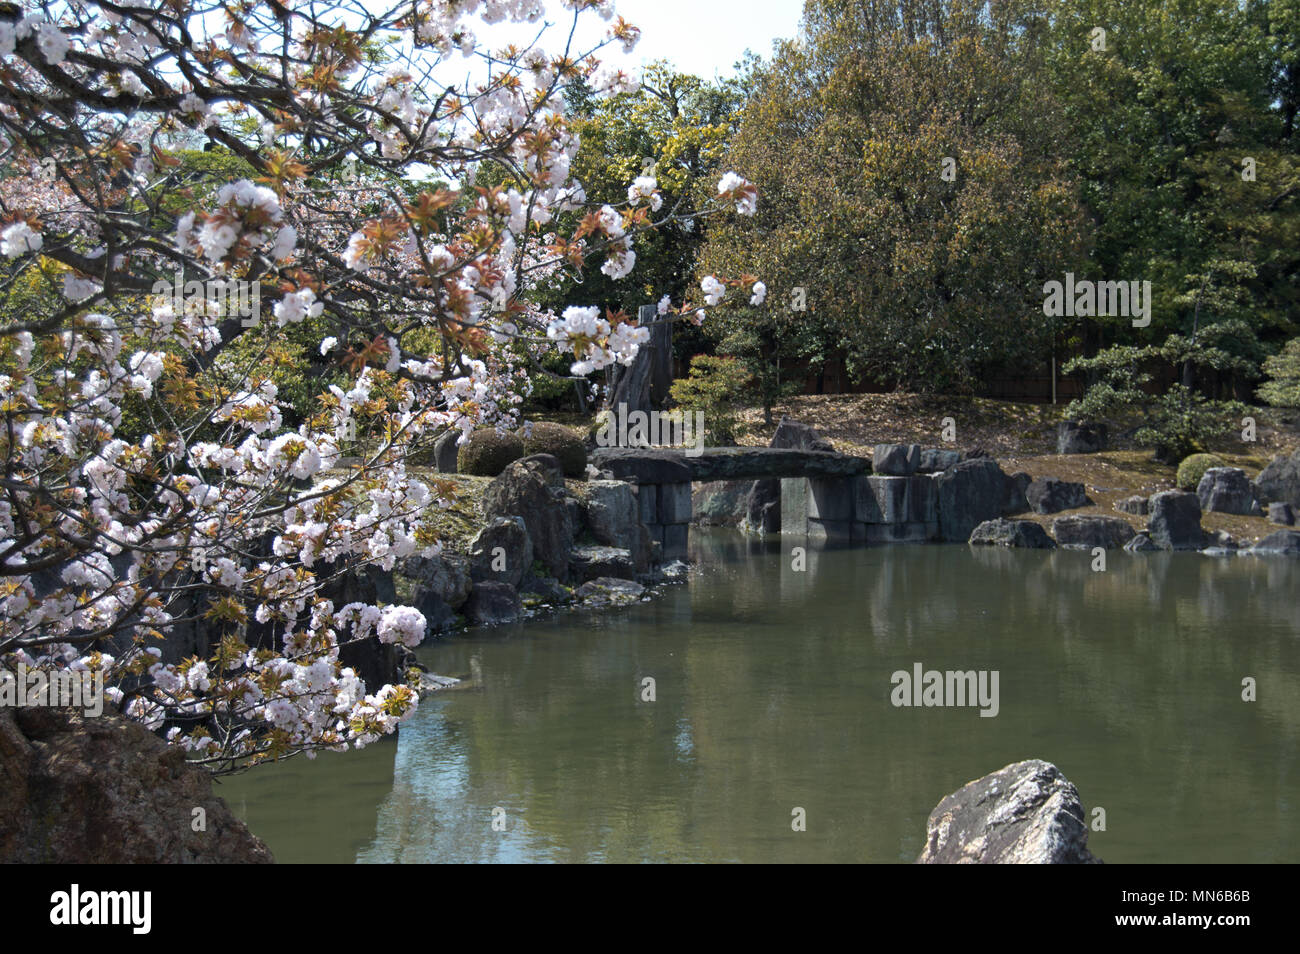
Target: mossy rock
(487,453)
(561,443)
(1193,468)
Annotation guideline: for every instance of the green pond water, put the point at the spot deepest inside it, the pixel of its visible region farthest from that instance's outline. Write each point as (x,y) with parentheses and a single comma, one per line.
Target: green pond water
(773,692)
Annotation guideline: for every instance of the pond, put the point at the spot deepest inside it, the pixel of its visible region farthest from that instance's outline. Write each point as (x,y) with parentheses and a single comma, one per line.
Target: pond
(772,693)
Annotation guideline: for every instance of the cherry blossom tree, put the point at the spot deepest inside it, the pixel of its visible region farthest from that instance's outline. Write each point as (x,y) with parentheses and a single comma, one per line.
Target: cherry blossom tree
(150,480)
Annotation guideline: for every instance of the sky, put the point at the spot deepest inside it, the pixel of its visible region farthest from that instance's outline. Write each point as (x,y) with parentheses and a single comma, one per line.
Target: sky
(705,37)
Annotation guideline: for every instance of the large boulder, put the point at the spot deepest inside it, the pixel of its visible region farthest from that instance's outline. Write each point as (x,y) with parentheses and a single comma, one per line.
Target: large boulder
(1226,490)
(1052,495)
(446,576)
(1176,521)
(895,460)
(591,562)
(612,517)
(1282,513)
(1025,814)
(533,488)
(1011,533)
(1109,533)
(968,494)
(796,436)
(502,551)
(1017,499)
(1285,542)
(104,790)
(1280,480)
(1075,437)
(492,603)
(936,461)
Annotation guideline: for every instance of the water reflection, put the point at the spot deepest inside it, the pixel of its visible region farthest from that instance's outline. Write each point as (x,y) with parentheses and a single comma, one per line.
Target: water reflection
(772,693)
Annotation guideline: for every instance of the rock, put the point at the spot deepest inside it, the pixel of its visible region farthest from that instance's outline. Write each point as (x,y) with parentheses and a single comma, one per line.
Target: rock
(1279,482)
(445,451)
(1052,495)
(1176,521)
(445,576)
(1016,499)
(969,493)
(1282,513)
(674,572)
(795,436)
(545,589)
(1011,533)
(502,551)
(895,460)
(935,461)
(613,518)
(1220,543)
(606,591)
(589,562)
(1226,490)
(763,506)
(432,682)
(1109,533)
(714,503)
(1026,813)
(438,616)
(104,790)
(1074,437)
(1137,505)
(532,488)
(492,603)
(1140,544)
(1284,542)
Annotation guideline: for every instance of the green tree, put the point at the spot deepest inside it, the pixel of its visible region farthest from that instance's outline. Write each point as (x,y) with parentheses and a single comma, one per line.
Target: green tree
(906,153)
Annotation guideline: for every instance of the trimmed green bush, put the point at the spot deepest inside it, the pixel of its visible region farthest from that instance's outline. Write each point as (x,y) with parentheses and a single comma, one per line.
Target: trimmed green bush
(560,442)
(1193,468)
(487,453)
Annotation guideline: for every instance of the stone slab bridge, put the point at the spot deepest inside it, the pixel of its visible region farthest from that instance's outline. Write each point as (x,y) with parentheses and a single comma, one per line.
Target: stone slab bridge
(825,496)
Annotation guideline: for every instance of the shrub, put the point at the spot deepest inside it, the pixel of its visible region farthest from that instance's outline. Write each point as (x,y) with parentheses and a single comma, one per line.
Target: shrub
(561,443)
(717,387)
(486,453)
(1193,468)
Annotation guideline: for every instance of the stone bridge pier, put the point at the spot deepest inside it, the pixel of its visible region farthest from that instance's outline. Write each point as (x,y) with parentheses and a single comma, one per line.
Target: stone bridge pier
(916,495)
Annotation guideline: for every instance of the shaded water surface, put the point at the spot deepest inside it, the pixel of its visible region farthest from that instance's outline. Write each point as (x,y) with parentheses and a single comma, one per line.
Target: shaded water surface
(772,692)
